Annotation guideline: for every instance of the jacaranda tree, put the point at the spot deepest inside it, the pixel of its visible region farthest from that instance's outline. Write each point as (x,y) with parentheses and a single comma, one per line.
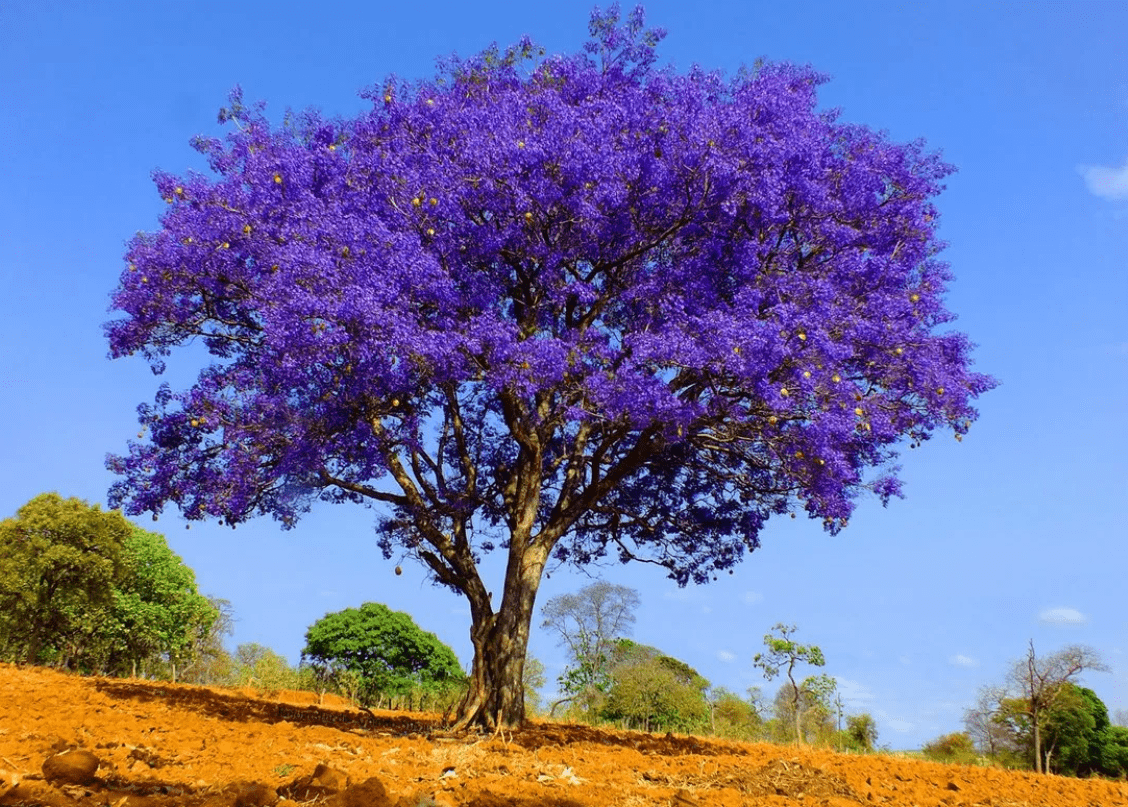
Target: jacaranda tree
(564,307)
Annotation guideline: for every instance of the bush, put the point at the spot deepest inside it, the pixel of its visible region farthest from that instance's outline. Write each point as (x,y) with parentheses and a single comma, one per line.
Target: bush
(956,747)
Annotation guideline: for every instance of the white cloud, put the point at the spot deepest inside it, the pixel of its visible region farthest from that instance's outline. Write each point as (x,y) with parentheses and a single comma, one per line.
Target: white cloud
(1107,183)
(679,594)
(725,655)
(1062,616)
(886,720)
(905,660)
(751,597)
(960,660)
(853,691)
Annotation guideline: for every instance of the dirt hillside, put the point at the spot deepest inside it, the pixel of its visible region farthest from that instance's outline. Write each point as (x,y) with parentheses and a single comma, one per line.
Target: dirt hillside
(66,740)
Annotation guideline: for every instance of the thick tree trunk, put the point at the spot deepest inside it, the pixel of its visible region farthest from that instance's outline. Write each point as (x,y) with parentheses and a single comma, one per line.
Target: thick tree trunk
(496,696)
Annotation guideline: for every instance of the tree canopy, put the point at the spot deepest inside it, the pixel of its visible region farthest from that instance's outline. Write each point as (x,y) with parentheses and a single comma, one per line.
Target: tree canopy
(82,587)
(385,650)
(579,307)
(158,613)
(60,560)
(652,691)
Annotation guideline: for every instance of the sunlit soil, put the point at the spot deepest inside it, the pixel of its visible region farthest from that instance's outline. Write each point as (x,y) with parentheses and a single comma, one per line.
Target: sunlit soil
(160,744)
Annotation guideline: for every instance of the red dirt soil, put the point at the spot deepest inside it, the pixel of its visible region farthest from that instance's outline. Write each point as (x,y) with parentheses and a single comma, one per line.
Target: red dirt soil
(165,745)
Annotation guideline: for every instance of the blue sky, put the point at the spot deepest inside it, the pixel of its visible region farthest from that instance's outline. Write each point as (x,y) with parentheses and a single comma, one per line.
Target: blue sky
(1016,534)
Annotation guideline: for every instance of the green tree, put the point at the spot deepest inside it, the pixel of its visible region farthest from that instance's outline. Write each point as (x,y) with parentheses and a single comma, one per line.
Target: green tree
(954,747)
(734,717)
(861,733)
(1114,752)
(1075,731)
(209,662)
(1040,682)
(654,692)
(783,653)
(384,653)
(59,562)
(589,623)
(260,667)
(157,611)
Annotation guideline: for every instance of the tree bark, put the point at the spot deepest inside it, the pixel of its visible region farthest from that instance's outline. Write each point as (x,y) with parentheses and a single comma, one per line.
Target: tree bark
(495,699)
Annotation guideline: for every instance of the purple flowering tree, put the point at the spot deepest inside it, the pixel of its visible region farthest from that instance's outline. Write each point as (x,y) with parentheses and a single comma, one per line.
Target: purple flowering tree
(573,308)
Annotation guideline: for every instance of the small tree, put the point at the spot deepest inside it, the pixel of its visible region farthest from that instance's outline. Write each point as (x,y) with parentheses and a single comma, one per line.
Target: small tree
(954,747)
(532,682)
(1041,681)
(861,732)
(734,717)
(783,653)
(984,723)
(260,667)
(654,692)
(589,623)
(385,654)
(209,662)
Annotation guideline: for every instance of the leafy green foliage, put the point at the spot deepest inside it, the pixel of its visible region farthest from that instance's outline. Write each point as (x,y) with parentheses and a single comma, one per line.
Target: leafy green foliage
(59,562)
(734,717)
(1114,751)
(84,588)
(157,612)
(954,747)
(377,655)
(264,669)
(1074,732)
(860,733)
(654,692)
(589,623)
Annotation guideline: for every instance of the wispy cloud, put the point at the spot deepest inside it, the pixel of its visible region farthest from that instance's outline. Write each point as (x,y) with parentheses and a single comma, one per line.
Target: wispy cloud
(678,594)
(1107,183)
(726,656)
(853,691)
(895,723)
(960,660)
(1062,616)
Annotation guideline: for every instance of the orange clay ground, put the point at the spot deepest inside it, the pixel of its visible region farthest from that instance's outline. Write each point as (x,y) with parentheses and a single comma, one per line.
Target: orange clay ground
(159,744)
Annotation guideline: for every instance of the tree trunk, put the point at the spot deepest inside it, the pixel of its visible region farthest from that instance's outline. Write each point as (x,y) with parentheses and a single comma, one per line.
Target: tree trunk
(1037,743)
(495,699)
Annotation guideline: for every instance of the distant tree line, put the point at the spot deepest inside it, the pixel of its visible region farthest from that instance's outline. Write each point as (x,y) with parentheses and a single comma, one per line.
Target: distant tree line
(1040,718)
(85,590)
(613,680)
